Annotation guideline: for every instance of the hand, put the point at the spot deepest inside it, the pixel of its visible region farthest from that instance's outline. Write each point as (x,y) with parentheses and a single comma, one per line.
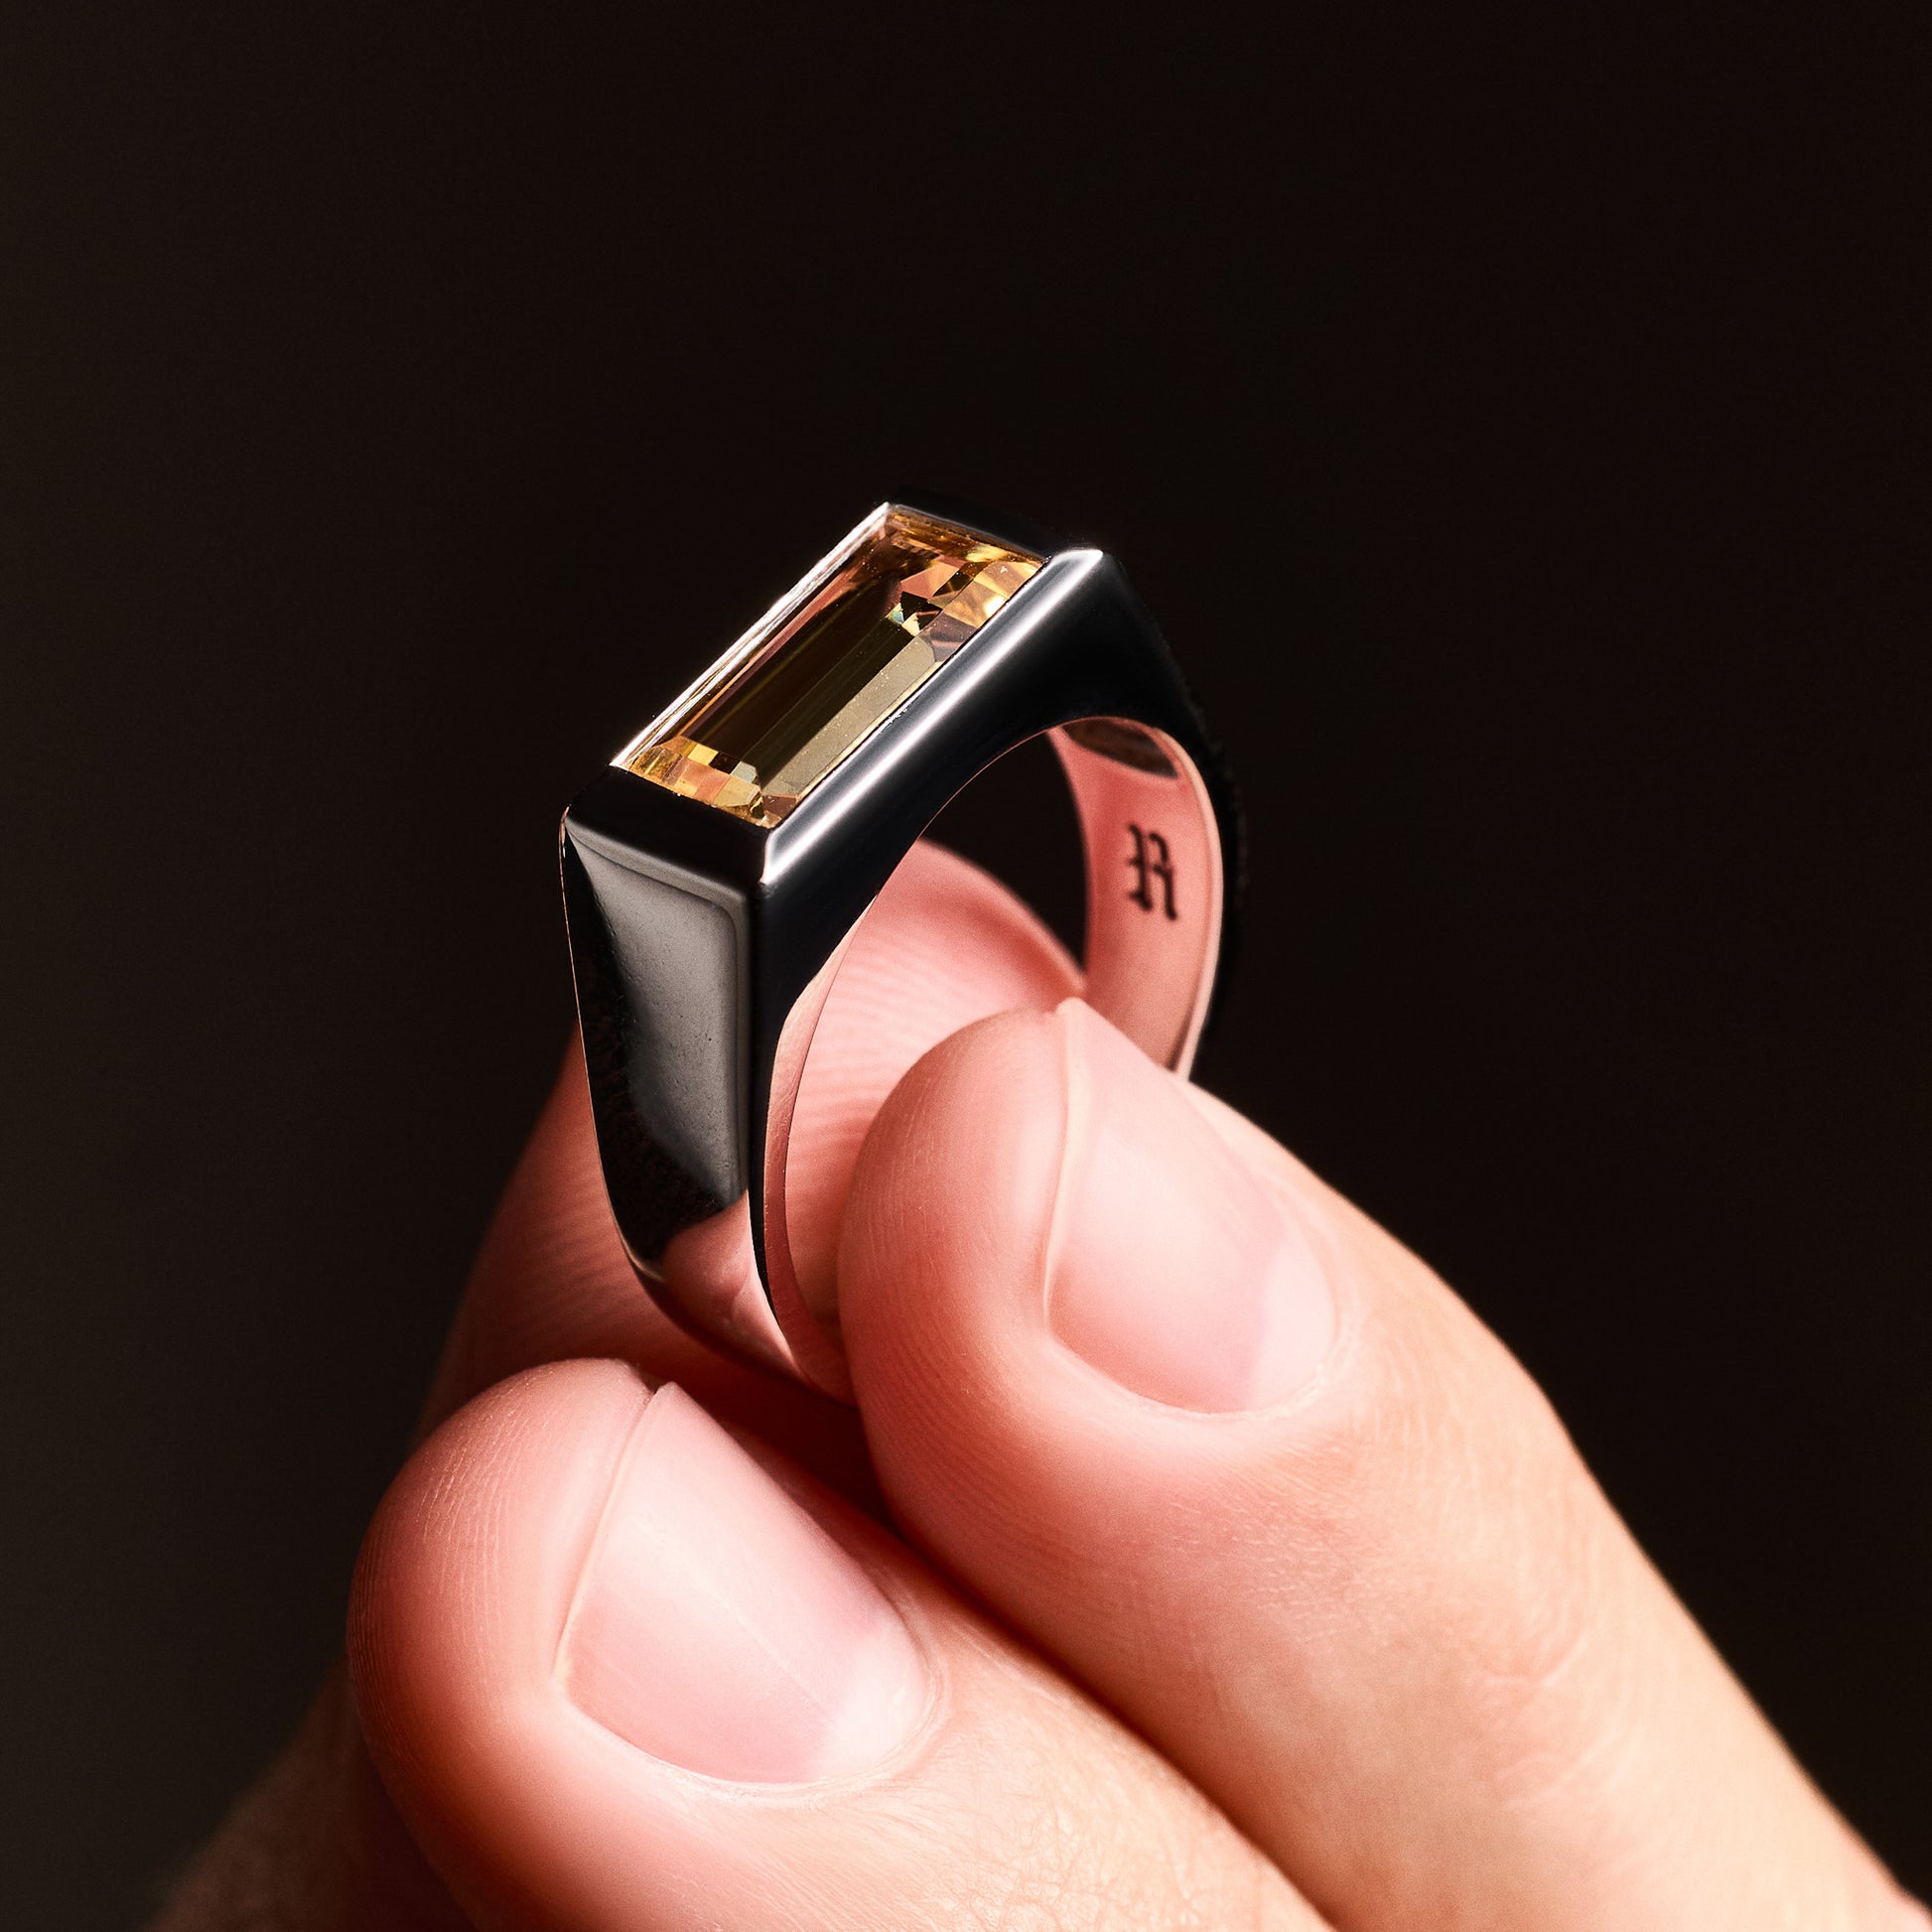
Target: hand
(1246,1580)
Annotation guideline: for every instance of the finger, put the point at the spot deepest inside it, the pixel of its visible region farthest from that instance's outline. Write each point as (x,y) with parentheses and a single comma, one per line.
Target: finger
(1241,1463)
(944,945)
(317,1840)
(621,1677)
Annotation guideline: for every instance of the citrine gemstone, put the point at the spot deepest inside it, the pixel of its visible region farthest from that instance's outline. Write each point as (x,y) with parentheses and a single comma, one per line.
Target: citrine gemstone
(836,657)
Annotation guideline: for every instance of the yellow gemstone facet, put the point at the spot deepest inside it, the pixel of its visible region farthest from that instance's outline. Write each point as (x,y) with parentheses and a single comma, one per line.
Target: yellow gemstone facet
(838,656)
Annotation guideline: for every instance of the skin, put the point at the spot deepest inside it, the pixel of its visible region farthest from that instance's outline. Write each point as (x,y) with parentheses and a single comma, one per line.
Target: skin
(1373,1652)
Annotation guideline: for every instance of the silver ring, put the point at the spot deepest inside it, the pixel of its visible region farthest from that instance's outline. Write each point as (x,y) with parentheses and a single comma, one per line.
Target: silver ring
(714,874)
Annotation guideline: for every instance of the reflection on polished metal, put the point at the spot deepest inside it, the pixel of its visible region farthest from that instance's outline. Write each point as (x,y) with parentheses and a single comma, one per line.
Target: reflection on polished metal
(807,684)
(714,875)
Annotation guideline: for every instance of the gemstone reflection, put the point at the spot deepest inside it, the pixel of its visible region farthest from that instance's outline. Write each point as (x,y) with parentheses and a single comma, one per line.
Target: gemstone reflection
(831,662)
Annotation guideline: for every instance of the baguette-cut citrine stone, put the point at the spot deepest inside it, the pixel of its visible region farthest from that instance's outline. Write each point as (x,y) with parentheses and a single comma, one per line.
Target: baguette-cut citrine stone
(830,662)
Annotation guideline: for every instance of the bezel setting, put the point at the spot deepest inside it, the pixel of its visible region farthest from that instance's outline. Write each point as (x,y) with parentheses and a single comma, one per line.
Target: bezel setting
(827,664)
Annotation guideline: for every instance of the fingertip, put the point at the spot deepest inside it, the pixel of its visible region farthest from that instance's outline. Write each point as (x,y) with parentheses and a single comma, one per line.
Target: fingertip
(944,945)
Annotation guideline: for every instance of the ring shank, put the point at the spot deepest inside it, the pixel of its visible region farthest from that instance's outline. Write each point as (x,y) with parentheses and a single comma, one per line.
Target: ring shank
(707,928)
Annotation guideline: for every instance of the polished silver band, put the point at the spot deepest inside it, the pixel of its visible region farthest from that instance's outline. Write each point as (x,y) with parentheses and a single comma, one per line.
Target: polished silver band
(705,944)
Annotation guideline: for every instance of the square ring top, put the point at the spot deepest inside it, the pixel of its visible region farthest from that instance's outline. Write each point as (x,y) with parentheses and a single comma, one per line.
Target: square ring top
(828,664)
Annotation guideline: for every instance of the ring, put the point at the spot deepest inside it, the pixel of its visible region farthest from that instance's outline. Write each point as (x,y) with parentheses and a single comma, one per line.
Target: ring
(714,874)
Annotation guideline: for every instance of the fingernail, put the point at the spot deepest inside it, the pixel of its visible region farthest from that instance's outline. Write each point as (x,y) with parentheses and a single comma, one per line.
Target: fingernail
(717,1627)
(1173,1269)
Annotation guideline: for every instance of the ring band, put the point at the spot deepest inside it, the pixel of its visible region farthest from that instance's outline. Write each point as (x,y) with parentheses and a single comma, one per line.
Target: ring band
(714,874)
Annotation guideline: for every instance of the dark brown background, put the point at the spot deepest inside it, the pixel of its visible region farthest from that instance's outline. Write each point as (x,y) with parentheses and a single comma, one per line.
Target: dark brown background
(1518,423)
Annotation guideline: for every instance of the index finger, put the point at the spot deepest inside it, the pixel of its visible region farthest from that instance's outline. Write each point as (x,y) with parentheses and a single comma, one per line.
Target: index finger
(944,945)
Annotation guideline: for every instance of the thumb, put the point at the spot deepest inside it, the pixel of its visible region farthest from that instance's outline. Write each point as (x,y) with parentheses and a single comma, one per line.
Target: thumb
(626,1674)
